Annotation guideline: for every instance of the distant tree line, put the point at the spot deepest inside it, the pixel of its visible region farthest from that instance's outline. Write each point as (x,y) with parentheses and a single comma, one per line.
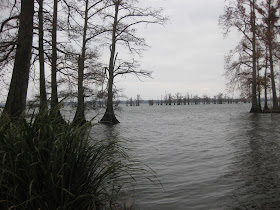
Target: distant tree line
(179,99)
(251,65)
(68,37)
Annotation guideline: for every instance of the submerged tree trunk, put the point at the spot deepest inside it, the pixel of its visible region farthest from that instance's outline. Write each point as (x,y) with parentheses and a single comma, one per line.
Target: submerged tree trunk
(259,84)
(270,20)
(80,112)
(265,85)
(272,76)
(255,108)
(43,92)
(109,116)
(16,100)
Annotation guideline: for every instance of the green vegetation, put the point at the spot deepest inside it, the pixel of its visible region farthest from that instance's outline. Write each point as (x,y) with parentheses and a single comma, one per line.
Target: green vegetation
(48,165)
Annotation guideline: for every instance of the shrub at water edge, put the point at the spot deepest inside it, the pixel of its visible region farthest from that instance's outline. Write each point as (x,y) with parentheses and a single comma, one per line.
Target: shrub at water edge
(48,165)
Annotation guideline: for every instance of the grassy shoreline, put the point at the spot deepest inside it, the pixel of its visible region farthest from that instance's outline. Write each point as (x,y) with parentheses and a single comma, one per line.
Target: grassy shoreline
(48,165)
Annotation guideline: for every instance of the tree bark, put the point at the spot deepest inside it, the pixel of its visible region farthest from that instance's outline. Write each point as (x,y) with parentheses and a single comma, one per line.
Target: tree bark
(259,84)
(272,77)
(270,50)
(109,116)
(54,95)
(16,100)
(80,112)
(54,98)
(265,84)
(43,92)
(255,107)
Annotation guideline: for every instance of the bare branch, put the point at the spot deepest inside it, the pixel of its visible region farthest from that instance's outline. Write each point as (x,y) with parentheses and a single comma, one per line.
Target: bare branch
(8,20)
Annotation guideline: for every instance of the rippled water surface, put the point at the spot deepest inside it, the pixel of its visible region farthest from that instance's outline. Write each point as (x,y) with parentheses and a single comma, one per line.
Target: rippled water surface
(206,156)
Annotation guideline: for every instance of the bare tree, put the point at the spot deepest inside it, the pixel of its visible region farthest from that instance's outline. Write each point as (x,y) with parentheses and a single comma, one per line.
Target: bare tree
(57,62)
(54,96)
(125,16)
(268,11)
(265,81)
(238,66)
(16,100)
(241,15)
(43,92)
(178,98)
(9,40)
(9,34)
(138,100)
(206,99)
(84,33)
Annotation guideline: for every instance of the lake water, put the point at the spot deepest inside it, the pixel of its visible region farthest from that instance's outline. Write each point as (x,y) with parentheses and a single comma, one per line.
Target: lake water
(206,156)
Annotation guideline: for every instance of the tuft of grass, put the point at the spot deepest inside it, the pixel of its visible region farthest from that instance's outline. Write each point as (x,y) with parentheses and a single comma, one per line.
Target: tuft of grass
(46,164)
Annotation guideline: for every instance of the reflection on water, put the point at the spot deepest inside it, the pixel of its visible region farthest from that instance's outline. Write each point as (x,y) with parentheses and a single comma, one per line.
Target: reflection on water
(256,164)
(207,157)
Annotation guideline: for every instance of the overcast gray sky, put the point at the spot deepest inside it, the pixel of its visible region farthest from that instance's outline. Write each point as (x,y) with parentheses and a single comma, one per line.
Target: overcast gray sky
(186,55)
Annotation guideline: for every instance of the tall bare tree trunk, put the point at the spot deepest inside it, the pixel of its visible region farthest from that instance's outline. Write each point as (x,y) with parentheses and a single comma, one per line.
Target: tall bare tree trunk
(43,93)
(109,116)
(80,112)
(265,83)
(16,100)
(259,86)
(54,95)
(279,89)
(255,107)
(270,19)
(54,98)
(272,76)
